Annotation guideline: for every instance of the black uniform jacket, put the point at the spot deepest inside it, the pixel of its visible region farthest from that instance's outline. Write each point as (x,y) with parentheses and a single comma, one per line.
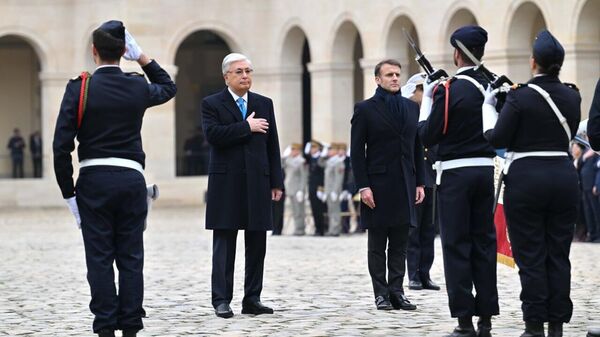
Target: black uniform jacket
(527,123)
(464,135)
(244,166)
(391,165)
(593,127)
(113,117)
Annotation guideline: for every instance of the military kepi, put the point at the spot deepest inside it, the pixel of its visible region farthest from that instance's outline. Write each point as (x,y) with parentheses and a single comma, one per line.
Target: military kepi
(471,36)
(547,50)
(114,28)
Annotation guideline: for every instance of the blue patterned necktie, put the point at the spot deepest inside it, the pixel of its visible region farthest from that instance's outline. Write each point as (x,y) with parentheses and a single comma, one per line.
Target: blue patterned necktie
(242,105)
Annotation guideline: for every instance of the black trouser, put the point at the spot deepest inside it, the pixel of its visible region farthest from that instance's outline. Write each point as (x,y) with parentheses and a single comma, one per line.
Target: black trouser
(17,162)
(395,239)
(223,263)
(466,198)
(420,253)
(540,202)
(318,210)
(37,167)
(591,207)
(112,204)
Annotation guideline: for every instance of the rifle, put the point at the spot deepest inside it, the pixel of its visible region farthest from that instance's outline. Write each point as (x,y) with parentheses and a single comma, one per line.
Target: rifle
(432,74)
(494,80)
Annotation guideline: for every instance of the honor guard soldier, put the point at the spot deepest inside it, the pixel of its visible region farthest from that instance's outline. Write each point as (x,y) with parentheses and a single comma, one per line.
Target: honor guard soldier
(420,253)
(593,125)
(316,182)
(541,194)
(334,180)
(295,185)
(104,112)
(451,117)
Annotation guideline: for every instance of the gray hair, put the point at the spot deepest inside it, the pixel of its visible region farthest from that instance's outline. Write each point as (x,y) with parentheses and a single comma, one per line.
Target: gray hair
(233,57)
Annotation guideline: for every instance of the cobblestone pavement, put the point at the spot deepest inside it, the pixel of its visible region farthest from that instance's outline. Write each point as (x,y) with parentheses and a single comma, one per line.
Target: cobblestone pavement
(318,286)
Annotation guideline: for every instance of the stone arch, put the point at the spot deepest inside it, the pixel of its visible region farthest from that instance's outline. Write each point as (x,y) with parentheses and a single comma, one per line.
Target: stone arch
(224,32)
(526,21)
(295,90)
(397,46)
(198,60)
(21,94)
(460,17)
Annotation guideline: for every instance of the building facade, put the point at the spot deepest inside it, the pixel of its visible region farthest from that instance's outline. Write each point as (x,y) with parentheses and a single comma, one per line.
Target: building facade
(315,58)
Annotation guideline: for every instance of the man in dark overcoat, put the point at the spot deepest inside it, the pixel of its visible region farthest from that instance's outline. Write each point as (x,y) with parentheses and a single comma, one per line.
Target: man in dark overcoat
(389,178)
(244,176)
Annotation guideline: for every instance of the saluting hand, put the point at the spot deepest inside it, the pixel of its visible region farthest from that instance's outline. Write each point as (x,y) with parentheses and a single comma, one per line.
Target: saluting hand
(366,196)
(259,125)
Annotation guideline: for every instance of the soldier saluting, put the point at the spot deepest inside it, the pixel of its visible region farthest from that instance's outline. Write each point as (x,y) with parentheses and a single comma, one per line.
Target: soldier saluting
(451,117)
(536,124)
(109,199)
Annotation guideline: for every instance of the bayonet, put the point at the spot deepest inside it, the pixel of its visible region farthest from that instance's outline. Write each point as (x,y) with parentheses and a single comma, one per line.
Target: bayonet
(432,74)
(494,80)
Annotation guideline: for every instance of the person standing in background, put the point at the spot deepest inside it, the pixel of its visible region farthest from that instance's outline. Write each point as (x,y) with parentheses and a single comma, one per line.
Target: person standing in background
(16,144)
(35,147)
(295,185)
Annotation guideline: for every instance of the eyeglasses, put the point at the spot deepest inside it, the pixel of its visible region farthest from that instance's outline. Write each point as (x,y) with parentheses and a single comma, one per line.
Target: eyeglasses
(240,72)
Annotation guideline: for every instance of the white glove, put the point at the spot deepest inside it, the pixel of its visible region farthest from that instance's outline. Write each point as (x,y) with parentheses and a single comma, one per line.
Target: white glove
(132,49)
(72,204)
(334,196)
(345,195)
(427,100)
(322,196)
(307,148)
(490,96)
(152,194)
(287,151)
(489,115)
(325,150)
(299,196)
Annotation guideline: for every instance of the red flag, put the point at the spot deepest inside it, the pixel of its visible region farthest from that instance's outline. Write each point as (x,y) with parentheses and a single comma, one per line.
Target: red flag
(504,251)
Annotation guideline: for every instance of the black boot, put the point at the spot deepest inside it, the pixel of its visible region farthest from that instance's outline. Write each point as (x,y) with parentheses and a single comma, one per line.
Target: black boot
(129,333)
(464,329)
(106,333)
(533,329)
(484,326)
(555,329)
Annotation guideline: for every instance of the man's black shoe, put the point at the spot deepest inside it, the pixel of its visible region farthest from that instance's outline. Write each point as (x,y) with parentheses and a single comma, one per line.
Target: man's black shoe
(533,329)
(129,333)
(401,302)
(484,327)
(383,303)
(428,284)
(415,285)
(106,333)
(555,329)
(462,332)
(255,308)
(223,310)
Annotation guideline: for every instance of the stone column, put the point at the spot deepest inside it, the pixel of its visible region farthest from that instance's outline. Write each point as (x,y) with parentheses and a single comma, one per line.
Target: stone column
(368,68)
(284,86)
(158,137)
(332,100)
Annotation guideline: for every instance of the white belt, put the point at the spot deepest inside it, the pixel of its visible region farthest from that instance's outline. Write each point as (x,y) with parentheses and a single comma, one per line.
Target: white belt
(512,156)
(112,161)
(441,166)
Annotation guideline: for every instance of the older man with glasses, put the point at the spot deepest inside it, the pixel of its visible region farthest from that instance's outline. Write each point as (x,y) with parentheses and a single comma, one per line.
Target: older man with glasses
(244,176)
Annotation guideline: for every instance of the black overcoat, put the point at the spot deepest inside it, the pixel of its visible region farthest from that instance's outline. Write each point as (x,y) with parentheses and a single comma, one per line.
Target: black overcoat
(244,166)
(391,164)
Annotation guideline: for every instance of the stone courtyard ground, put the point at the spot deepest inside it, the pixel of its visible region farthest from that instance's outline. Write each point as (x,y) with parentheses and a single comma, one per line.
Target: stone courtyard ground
(318,286)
